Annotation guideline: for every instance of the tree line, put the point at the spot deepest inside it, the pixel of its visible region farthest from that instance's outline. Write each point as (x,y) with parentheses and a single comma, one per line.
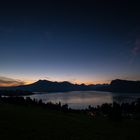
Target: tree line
(113,111)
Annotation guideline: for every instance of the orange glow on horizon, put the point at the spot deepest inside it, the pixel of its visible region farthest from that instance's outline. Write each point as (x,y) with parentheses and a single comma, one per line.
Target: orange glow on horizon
(91,82)
(8,85)
(26,81)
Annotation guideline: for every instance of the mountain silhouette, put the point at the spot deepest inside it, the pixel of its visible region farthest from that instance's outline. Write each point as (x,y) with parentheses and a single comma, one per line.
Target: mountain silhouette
(49,86)
(117,85)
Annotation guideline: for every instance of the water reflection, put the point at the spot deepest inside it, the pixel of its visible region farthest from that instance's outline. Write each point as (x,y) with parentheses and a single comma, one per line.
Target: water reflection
(127,97)
(82,99)
(76,99)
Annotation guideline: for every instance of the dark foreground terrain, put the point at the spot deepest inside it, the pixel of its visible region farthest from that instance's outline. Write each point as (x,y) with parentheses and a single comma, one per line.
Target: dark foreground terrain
(35,123)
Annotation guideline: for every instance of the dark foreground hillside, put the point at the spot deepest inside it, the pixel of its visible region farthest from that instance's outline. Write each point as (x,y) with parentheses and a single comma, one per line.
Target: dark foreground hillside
(35,123)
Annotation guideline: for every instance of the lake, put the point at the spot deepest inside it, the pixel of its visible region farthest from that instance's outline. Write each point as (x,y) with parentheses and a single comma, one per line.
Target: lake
(82,99)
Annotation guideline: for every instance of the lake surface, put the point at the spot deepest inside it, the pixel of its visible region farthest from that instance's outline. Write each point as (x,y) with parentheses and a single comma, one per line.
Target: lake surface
(82,99)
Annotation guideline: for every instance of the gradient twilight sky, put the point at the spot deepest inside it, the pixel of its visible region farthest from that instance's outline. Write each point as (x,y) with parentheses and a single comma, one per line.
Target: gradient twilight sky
(77,41)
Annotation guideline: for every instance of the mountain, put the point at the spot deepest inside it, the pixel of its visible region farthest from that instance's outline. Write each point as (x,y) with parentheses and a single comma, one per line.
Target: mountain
(49,86)
(121,86)
(125,86)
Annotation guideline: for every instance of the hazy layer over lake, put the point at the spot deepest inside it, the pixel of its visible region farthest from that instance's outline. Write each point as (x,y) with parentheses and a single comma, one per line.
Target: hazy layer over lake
(82,99)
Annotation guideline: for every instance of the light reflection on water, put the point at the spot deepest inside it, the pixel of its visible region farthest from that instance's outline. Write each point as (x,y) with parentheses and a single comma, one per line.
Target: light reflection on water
(82,99)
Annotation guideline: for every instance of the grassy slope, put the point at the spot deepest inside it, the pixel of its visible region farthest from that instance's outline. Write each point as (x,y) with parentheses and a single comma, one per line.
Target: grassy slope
(32,123)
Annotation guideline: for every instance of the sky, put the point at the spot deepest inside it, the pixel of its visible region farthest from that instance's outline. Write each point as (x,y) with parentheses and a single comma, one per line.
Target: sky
(77,41)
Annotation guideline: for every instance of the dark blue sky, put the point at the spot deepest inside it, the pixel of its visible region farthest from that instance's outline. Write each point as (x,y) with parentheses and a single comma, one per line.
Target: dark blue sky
(78,41)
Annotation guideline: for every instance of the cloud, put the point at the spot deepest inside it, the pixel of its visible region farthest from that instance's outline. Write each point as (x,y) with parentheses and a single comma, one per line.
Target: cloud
(5,81)
(48,78)
(136,49)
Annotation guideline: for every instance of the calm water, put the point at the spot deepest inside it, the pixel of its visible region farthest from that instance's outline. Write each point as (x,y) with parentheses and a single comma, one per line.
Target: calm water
(82,99)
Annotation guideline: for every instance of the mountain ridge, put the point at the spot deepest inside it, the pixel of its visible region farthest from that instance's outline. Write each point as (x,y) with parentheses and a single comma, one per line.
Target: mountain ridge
(50,86)
(117,85)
